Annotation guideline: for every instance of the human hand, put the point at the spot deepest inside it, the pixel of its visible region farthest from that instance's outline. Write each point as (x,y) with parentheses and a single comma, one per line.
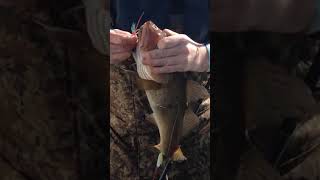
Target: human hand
(121,45)
(177,53)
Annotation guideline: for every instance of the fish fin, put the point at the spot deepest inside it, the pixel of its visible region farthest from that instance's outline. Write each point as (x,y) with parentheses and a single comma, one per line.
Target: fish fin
(147,84)
(150,118)
(190,121)
(157,146)
(160,160)
(196,91)
(178,155)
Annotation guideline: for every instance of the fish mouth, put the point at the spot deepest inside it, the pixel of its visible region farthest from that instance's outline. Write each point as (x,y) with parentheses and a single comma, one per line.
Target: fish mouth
(144,71)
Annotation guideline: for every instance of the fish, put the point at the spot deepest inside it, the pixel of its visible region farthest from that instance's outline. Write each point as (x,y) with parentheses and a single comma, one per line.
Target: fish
(168,96)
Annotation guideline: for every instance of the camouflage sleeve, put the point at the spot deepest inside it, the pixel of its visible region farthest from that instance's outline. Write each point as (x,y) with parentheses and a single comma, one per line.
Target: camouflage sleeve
(315,26)
(98,21)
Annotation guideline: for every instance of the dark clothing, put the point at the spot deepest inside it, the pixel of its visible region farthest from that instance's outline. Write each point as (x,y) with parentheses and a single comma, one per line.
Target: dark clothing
(195,15)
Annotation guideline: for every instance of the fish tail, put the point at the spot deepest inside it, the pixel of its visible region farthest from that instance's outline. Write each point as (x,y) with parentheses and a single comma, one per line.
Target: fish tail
(160,160)
(178,155)
(159,163)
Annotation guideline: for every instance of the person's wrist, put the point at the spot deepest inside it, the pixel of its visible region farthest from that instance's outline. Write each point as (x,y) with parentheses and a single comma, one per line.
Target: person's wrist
(209,60)
(203,59)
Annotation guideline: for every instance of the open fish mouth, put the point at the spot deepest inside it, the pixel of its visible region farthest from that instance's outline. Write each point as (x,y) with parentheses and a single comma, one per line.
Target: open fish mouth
(144,71)
(148,36)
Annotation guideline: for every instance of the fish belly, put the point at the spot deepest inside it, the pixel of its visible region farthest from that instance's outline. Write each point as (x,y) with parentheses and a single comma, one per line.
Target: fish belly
(168,106)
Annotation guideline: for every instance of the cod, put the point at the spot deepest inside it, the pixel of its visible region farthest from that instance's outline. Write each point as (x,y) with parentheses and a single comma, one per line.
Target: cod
(168,96)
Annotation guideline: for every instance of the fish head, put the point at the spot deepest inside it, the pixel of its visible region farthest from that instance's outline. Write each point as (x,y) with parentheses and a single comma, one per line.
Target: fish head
(148,37)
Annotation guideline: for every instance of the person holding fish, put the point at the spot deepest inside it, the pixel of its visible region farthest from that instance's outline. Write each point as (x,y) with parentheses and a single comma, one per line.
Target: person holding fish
(176,53)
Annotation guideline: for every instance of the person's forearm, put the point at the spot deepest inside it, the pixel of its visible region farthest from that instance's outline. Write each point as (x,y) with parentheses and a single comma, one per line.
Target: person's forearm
(286,16)
(98,22)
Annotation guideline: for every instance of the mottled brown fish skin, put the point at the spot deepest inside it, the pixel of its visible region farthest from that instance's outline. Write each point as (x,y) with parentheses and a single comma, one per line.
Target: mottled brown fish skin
(168,105)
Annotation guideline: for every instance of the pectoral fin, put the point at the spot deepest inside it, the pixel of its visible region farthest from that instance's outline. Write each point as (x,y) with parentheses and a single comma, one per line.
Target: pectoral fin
(195,93)
(178,155)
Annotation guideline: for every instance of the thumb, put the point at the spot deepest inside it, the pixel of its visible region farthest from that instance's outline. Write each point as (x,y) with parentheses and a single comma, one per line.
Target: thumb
(173,39)
(170,41)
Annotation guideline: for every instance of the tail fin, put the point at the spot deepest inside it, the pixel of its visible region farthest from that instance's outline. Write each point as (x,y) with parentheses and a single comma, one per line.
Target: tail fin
(178,155)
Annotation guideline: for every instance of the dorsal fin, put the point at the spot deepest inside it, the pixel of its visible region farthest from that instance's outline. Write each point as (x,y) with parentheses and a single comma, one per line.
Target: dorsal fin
(196,91)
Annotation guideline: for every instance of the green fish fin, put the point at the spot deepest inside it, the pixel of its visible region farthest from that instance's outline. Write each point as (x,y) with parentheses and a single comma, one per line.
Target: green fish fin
(190,121)
(157,146)
(178,155)
(196,91)
(147,84)
(160,160)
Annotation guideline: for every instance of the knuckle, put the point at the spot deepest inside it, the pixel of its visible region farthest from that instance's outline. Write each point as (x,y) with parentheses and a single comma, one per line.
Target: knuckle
(164,41)
(184,37)
(159,53)
(185,50)
(152,62)
(164,53)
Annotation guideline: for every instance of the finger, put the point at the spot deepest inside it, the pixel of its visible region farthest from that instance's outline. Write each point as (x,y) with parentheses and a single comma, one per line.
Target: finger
(118,31)
(119,57)
(162,53)
(170,32)
(119,37)
(167,69)
(171,41)
(169,61)
(116,48)
(115,36)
